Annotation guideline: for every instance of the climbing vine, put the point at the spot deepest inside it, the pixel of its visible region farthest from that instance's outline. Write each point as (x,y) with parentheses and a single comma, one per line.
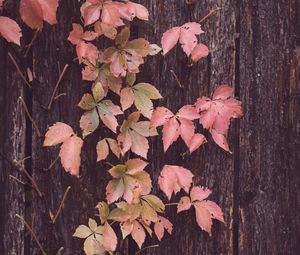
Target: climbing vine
(129,203)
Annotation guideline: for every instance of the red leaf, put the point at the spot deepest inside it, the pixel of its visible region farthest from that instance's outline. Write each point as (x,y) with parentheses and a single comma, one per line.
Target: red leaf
(220,140)
(10,30)
(199,193)
(70,154)
(173,179)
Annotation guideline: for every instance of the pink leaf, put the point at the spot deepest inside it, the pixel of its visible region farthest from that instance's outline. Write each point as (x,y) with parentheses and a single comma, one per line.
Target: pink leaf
(10,30)
(187,130)
(49,8)
(140,144)
(196,141)
(138,10)
(173,179)
(70,154)
(126,228)
(127,98)
(138,234)
(188,112)
(171,132)
(184,204)
(109,238)
(199,193)
(161,225)
(58,133)
(31,13)
(223,92)
(220,140)
(214,210)
(203,217)
(160,116)
(186,34)
(102,150)
(200,51)
(170,39)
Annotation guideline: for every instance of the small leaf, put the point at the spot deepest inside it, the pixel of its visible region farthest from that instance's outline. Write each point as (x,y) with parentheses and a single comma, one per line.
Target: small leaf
(102,150)
(82,231)
(58,133)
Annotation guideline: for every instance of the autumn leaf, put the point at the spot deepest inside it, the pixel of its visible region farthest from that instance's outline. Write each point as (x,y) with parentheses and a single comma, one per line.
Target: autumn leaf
(92,234)
(71,146)
(200,51)
(34,12)
(10,30)
(186,35)
(206,210)
(141,95)
(112,12)
(84,49)
(173,179)
(103,148)
(216,113)
(126,178)
(178,125)
(128,55)
(161,225)
(133,135)
(98,107)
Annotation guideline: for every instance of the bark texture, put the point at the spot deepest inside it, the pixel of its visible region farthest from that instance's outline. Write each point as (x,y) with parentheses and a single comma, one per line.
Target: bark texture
(255,47)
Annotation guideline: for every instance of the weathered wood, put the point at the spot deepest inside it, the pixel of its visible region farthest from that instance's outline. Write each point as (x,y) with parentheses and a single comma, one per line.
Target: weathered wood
(12,147)
(269,133)
(254,48)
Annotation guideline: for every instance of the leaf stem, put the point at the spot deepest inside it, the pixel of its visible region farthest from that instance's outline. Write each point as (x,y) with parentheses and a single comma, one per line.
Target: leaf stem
(170,204)
(19,70)
(52,164)
(61,204)
(56,86)
(31,43)
(209,14)
(148,247)
(30,117)
(16,179)
(176,78)
(32,233)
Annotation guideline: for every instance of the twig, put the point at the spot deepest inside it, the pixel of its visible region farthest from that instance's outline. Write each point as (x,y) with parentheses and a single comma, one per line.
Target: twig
(176,78)
(24,171)
(31,43)
(32,233)
(169,204)
(19,70)
(60,250)
(148,247)
(56,86)
(110,164)
(30,117)
(209,14)
(61,205)
(17,180)
(52,164)
(60,95)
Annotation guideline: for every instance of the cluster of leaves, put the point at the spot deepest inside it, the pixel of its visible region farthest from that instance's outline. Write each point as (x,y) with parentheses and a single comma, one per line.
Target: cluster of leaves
(129,201)
(33,13)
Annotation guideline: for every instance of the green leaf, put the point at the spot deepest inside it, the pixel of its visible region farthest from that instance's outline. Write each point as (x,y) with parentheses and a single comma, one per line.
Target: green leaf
(122,37)
(149,90)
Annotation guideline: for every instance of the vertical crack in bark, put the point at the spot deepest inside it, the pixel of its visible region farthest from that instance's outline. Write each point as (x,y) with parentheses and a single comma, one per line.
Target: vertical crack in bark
(236,187)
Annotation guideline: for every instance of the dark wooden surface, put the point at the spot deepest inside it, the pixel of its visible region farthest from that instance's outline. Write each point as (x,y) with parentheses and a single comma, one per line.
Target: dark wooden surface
(255,48)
